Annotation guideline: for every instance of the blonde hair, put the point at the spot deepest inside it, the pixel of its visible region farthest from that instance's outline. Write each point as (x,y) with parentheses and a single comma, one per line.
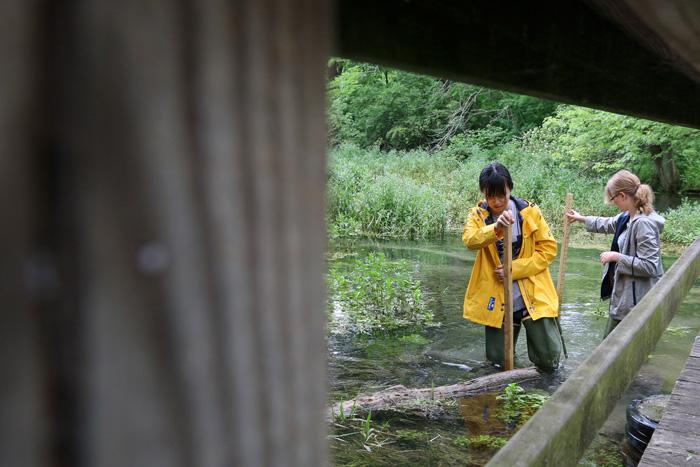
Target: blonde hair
(628,183)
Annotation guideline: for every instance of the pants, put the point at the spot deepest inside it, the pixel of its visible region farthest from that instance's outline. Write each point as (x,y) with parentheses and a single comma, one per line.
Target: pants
(543,342)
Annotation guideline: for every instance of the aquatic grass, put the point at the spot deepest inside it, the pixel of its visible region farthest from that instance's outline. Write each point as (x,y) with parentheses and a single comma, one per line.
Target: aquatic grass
(376,295)
(487,442)
(519,405)
(366,428)
(600,311)
(412,437)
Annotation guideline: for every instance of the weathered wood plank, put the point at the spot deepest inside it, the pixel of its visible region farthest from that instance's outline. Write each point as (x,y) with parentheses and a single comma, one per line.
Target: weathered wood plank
(654,457)
(688,390)
(693,363)
(695,351)
(689,374)
(197,133)
(676,441)
(673,440)
(25,278)
(514,45)
(684,405)
(680,425)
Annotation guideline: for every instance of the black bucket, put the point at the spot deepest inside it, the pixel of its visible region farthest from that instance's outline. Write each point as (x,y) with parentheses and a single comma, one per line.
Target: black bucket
(643,416)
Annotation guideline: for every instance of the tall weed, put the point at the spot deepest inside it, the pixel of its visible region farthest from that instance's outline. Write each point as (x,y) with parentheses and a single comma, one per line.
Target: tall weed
(416,194)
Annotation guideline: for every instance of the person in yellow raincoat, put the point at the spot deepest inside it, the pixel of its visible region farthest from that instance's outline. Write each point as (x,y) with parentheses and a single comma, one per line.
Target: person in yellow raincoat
(535,302)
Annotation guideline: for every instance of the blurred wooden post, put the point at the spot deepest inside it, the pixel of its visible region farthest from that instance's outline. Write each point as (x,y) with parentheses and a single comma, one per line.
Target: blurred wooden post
(508,297)
(163,174)
(564,250)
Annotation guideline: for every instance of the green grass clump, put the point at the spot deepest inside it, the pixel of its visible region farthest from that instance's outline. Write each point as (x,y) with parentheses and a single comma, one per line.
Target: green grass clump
(480,442)
(378,295)
(682,223)
(386,195)
(461,441)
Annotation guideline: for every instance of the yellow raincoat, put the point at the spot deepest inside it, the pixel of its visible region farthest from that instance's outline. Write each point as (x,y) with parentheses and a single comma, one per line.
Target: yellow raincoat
(483,302)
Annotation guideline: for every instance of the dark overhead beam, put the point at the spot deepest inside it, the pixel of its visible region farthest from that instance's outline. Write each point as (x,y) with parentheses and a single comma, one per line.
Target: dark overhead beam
(559,50)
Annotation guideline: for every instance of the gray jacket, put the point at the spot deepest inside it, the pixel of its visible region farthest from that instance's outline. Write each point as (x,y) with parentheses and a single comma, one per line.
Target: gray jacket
(639,267)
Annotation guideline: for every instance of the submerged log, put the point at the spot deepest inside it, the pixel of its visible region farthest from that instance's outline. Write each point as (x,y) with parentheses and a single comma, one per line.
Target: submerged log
(401,398)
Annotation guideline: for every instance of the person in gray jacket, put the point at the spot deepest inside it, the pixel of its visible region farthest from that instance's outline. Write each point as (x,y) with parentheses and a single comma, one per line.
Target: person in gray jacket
(633,264)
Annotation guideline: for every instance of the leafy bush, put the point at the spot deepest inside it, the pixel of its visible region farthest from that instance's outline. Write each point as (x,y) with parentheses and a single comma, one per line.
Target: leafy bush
(682,224)
(593,142)
(377,295)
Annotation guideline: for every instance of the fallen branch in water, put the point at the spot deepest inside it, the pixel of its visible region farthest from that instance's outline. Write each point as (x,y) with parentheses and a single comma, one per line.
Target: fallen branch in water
(401,398)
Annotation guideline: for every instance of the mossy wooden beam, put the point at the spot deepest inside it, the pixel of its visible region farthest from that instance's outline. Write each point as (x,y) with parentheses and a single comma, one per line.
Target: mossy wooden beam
(564,51)
(561,430)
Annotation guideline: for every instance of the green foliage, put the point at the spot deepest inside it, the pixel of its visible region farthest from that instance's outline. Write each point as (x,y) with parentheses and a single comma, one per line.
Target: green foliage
(412,436)
(374,106)
(593,142)
(414,339)
(678,331)
(518,405)
(366,427)
(378,295)
(340,416)
(387,195)
(600,311)
(461,441)
(682,224)
(490,442)
(603,452)
(416,195)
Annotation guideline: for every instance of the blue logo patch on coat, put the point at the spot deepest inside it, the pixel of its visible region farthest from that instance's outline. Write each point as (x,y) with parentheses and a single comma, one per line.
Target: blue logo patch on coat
(492,303)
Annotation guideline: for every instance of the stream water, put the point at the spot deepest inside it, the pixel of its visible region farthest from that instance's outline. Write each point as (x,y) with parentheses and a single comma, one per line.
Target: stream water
(454,351)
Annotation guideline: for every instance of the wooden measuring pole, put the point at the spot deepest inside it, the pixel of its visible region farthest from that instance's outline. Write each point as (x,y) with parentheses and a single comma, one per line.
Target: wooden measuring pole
(508,296)
(564,250)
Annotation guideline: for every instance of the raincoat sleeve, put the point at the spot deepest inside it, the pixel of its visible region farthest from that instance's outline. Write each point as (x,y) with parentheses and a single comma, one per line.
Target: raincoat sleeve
(602,224)
(476,236)
(545,251)
(648,251)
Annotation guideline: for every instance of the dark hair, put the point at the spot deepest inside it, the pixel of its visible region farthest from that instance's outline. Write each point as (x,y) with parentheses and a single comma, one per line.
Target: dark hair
(494,179)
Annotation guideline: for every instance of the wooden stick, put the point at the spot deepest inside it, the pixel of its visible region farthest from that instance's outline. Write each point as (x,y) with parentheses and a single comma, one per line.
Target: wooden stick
(564,251)
(508,297)
(562,266)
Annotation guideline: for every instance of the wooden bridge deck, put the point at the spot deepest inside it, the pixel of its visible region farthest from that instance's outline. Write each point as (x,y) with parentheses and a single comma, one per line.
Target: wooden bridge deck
(676,441)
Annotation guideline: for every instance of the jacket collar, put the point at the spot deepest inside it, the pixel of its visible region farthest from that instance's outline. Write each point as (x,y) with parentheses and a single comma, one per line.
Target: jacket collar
(519,203)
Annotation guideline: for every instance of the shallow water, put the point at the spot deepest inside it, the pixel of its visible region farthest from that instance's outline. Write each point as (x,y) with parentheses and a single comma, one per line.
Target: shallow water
(454,351)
